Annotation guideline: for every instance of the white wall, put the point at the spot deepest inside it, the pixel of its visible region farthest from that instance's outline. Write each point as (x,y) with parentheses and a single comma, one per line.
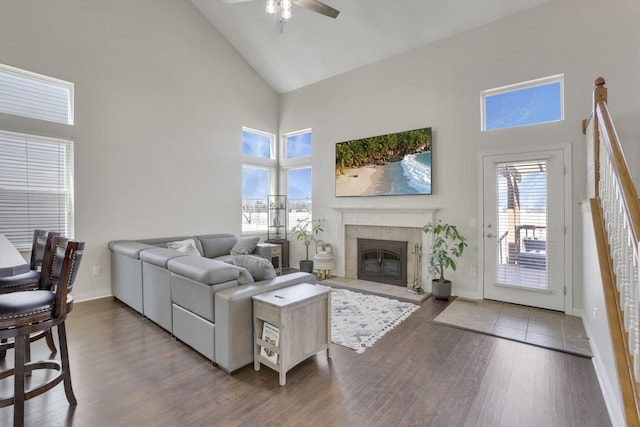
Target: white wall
(439,86)
(160,99)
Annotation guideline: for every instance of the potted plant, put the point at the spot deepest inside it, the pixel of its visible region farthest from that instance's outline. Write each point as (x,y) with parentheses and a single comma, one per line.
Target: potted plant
(307,231)
(447,245)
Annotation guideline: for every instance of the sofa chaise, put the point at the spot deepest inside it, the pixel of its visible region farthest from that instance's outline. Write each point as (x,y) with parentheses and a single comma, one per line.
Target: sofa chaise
(198,294)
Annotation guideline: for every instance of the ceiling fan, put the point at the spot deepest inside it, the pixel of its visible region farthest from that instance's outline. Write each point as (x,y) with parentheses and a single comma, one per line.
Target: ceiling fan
(281,9)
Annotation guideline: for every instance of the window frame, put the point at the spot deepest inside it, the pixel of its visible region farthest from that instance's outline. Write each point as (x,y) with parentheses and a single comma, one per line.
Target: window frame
(24,238)
(42,79)
(289,164)
(544,81)
(271,165)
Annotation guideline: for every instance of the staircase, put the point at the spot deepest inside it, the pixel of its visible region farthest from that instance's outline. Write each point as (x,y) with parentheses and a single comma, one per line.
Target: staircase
(615,210)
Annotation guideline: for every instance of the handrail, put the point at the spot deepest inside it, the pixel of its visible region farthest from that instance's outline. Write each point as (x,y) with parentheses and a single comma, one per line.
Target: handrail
(616,214)
(630,200)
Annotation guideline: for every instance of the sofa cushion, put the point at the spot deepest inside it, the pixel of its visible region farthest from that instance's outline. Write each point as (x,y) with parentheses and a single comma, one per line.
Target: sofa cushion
(245,245)
(259,268)
(187,246)
(216,245)
(161,242)
(203,270)
(245,277)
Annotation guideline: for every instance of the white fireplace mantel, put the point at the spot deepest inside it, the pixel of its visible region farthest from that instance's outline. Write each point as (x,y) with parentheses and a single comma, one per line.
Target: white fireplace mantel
(396,217)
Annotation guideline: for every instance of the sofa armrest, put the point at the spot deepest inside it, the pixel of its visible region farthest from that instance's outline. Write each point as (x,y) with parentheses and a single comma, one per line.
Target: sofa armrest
(234,319)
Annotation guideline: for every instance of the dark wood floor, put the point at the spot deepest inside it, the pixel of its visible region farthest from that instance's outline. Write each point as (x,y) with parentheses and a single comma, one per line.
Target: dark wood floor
(129,372)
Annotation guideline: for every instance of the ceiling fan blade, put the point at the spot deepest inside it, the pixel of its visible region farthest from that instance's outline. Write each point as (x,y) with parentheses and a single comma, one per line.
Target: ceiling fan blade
(233,1)
(319,7)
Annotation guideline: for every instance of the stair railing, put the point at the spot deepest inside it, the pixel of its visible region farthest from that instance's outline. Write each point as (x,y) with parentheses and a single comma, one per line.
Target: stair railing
(616,213)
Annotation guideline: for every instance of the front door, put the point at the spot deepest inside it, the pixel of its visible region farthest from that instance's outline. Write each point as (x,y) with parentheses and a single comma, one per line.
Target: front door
(524,228)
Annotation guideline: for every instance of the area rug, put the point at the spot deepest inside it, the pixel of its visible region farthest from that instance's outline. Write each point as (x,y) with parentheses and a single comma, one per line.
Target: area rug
(542,328)
(359,320)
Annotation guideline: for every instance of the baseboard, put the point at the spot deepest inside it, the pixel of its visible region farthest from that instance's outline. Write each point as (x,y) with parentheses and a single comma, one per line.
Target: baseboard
(88,296)
(468,295)
(609,393)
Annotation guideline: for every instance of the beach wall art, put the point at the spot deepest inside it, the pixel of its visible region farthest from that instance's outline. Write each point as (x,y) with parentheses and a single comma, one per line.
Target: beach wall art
(386,165)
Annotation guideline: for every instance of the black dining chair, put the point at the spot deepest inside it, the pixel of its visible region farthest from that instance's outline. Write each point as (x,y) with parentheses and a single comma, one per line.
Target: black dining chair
(27,312)
(29,281)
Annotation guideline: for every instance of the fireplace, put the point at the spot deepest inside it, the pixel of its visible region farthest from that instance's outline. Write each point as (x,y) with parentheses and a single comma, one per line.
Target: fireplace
(404,224)
(383,261)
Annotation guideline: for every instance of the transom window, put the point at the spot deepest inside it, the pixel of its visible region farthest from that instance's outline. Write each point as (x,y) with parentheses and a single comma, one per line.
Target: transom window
(298,144)
(522,104)
(27,94)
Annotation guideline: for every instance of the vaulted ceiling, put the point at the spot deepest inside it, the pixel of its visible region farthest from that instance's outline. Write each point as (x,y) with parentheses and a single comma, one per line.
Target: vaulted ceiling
(313,47)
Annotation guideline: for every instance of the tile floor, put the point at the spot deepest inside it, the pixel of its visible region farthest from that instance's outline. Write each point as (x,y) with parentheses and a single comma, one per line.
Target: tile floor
(540,327)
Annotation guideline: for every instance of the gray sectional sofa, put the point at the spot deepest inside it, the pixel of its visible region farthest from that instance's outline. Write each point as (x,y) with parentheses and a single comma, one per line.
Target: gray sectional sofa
(202,300)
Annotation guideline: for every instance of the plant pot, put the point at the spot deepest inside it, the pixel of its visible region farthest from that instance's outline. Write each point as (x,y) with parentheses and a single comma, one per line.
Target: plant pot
(306,266)
(441,290)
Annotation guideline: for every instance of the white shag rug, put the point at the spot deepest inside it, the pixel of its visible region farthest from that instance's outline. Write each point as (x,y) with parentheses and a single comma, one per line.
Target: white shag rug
(359,320)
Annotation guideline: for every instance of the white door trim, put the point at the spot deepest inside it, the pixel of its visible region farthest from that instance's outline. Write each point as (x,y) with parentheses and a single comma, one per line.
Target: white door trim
(568,214)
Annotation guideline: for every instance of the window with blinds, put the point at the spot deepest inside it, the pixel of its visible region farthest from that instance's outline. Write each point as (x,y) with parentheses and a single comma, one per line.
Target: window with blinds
(27,94)
(523,243)
(36,186)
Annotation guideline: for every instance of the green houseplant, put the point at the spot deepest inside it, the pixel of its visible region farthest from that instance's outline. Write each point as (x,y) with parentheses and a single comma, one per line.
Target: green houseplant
(447,245)
(307,231)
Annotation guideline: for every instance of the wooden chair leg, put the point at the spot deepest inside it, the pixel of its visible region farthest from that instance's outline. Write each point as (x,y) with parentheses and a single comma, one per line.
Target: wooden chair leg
(18,389)
(3,351)
(64,359)
(50,343)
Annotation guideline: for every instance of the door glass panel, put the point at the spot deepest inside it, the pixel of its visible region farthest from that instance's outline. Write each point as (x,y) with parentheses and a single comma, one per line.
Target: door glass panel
(390,264)
(522,224)
(370,262)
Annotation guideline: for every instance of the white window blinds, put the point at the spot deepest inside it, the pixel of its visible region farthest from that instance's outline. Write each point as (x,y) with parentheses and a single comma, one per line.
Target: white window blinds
(524,245)
(27,94)
(36,186)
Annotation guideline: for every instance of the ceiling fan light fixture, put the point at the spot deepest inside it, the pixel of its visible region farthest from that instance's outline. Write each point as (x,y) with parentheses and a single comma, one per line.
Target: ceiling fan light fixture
(271,7)
(286,4)
(286,14)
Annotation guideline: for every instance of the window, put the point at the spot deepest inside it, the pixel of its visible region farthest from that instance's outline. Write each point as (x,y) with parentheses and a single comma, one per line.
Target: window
(522,104)
(298,145)
(27,94)
(295,171)
(258,178)
(36,186)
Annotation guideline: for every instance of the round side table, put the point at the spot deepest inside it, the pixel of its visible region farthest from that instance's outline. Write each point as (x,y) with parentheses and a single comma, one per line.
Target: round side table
(323,263)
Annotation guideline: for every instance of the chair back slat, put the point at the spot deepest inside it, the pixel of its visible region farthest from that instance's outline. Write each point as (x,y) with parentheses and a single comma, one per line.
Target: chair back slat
(69,269)
(40,239)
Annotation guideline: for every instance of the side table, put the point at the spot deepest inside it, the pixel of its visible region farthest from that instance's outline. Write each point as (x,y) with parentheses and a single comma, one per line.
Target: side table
(273,253)
(323,263)
(302,315)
